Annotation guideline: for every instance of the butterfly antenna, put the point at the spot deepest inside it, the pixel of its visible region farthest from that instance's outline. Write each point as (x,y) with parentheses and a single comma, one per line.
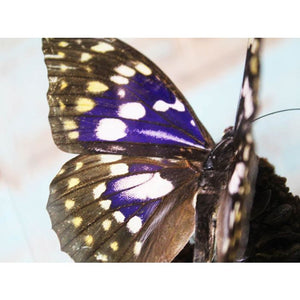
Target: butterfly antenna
(276,112)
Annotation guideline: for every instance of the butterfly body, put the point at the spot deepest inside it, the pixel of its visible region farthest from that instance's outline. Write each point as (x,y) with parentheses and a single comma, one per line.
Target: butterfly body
(144,160)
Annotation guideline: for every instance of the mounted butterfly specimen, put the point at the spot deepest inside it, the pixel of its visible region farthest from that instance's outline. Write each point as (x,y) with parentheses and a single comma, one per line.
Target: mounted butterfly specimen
(148,173)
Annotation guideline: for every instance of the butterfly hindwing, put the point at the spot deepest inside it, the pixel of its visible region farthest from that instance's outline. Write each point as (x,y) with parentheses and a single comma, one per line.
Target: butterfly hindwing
(236,205)
(114,208)
(106,97)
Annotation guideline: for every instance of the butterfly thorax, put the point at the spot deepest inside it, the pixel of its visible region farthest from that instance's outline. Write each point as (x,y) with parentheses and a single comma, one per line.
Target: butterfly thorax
(213,183)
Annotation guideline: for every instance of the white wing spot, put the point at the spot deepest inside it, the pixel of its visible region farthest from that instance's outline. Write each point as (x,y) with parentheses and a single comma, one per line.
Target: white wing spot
(102,257)
(110,129)
(137,248)
(105,204)
(132,110)
(144,186)
(163,106)
(134,224)
(193,123)
(99,190)
(102,47)
(248,102)
(119,217)
(119,79)
(235,180)
(118,169)
(125,71)
(108,158)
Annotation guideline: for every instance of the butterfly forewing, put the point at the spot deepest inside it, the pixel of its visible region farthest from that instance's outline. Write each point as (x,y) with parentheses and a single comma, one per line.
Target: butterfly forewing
(114,208)
(106,97)
(234,212)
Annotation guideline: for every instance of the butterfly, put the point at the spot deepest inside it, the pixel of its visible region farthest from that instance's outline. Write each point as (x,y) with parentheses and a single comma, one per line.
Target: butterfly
(148,172)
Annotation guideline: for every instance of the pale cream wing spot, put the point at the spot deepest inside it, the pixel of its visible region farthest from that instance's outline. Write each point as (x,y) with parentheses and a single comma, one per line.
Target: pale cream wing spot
(85,57)
(142,68)
(78,165)
(106,224)
(77,221)
(70,125)
(73,182)
(69,204)
(119,79)
(108,158)
(125,71)
(102,47)
(62,106)
(73,135)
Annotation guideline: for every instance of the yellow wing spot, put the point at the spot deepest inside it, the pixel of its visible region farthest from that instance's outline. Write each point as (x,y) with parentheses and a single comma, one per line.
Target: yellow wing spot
(69,204)
(63,67)
(88,240)
(106,224)
(62,106)
(125,71)
(62,170)
(73,135)
(63,44)
(119,79)
(61,54)
(78,165)
(105,204)
(142,68)
(114,246)
(88,69)
(63,85)
(96,87)
(85,57)
(73,182)
(254,65)
(70,125)
(77,221)
(255,45)
(102,47)
(102,257)
(84,104)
